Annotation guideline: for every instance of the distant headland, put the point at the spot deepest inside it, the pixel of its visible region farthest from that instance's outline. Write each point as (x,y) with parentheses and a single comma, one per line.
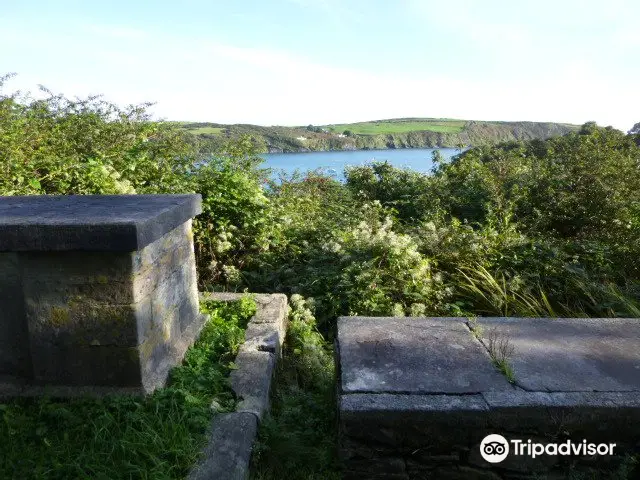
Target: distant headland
(379,134)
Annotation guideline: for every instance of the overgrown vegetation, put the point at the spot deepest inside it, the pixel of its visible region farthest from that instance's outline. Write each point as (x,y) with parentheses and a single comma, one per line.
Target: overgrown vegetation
(157,437)
(298,439)
(523,228)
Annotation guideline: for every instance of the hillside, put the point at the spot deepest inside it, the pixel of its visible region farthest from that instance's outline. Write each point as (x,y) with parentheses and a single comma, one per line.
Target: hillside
(380,134)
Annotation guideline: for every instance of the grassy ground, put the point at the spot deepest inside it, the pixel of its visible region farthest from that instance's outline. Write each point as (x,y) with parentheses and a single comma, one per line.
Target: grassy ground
(401,126)
(156,437)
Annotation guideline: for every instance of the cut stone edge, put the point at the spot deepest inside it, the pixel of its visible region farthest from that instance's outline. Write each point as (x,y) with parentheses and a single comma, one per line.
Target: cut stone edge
(232,435)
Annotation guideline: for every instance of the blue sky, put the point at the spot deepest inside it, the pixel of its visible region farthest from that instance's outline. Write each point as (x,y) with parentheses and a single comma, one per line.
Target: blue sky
(295,62)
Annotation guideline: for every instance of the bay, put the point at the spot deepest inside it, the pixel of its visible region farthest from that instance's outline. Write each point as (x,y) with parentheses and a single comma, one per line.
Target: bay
(333,163)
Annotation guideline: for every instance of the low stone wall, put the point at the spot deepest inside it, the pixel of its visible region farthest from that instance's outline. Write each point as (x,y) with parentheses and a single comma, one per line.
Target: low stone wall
(227,455)
(96,291)
(418,395)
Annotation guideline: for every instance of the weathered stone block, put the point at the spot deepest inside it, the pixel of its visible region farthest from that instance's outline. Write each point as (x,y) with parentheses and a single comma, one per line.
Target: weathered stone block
(264,337)
(572,354)
(439,423)
(165,349)
(87,323)
(251,380)
(273,308)
(186,312)
(86,365)
(406,394)
(176,286)
(97,276)
(102,223)
(14,339)
(228,451)
(417,355)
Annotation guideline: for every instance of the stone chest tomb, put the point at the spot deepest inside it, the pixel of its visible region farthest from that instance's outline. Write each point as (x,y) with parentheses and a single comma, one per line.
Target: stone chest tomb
(95,291)
(416,396)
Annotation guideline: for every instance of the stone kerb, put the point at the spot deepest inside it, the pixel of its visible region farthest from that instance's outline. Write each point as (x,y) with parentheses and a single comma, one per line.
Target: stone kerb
(99,291)
(227,455)
(417,395)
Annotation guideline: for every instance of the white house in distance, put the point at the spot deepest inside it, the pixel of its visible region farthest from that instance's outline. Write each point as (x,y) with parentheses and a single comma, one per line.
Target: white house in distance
(302,139)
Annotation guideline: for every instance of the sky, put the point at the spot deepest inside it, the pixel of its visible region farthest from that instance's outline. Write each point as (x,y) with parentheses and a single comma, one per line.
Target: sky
(300,62)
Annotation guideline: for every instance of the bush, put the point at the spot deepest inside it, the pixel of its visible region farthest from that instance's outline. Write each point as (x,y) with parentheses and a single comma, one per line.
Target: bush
(89,146)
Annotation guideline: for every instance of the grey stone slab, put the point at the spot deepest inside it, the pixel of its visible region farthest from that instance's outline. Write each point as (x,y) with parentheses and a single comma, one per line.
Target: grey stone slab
(597,416)
(520,399)
(228,453)
(59,364)
(273,309)
(187,311)
(14,336)
(170,250)
(265,337)
(571,354)
(388,402)
(251,380)
(19,388)
(91,222)
(87,324)
(436,423)
(75,268)
(413,355)
(171,291)
(161,352)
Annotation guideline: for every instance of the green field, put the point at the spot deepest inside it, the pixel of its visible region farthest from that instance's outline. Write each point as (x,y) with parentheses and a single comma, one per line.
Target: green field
(202,128)
(401,126)
(207,130)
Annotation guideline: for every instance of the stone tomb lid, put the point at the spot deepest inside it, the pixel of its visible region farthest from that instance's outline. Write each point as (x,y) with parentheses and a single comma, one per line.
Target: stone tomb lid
(91,222)
(571,354)
(414,356)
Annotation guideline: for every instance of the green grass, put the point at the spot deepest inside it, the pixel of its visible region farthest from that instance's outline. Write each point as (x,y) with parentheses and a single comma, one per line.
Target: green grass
(207,130)
(155,437)
(401,126)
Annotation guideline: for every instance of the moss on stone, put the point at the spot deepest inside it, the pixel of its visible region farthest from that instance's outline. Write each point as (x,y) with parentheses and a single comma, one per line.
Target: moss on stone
(59,316)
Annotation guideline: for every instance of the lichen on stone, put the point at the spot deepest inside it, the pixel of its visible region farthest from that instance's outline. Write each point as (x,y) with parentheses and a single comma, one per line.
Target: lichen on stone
(58,316)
